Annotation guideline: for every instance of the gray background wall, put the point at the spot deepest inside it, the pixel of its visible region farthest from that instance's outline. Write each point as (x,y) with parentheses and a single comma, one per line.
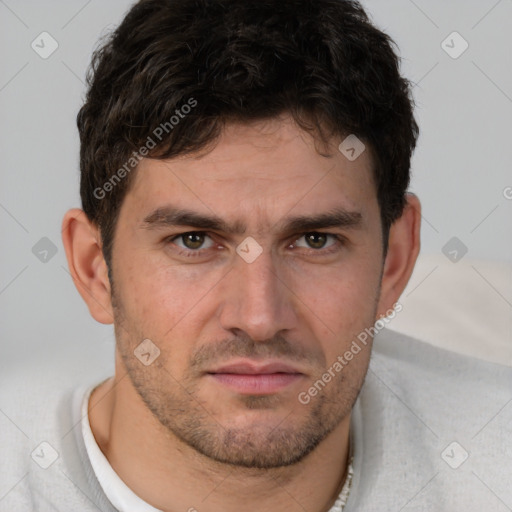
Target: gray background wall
(461,169)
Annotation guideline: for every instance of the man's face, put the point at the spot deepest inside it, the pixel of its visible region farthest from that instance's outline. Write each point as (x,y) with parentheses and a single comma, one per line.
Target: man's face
(242,334)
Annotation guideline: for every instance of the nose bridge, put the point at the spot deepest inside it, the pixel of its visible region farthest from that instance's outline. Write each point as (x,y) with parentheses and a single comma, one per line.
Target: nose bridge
(257,301)
(260,277)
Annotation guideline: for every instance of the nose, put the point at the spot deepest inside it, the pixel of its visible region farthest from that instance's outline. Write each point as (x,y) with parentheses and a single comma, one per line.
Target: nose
(257,300)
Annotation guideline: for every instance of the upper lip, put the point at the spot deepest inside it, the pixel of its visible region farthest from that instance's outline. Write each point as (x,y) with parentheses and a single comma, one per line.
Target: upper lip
(253,368)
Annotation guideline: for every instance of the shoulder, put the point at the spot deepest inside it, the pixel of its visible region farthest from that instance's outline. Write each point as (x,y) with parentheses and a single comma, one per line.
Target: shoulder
(416,359)
(40,411)
(426,415)
(452,391)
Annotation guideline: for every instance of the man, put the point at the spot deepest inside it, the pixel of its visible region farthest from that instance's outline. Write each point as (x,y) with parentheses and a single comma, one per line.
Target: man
(247,229)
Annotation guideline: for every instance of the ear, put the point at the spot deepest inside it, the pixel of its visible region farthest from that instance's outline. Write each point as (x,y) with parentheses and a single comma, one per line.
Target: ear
(87,266)
(403,249)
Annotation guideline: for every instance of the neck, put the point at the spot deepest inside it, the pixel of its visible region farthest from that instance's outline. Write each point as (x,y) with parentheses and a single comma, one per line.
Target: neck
(170,475)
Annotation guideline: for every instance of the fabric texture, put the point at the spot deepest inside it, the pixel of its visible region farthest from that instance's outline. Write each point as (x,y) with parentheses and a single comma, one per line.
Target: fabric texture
(430,430)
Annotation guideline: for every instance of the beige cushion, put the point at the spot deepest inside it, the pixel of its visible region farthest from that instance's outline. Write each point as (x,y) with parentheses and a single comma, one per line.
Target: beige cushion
(465,307)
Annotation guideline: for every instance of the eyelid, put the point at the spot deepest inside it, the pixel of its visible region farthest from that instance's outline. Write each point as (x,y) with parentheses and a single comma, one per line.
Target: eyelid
(339,241)
(337,238)
(172,239)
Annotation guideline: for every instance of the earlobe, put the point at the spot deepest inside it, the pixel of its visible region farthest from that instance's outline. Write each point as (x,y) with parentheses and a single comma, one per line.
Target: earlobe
(87,266)
(403,250)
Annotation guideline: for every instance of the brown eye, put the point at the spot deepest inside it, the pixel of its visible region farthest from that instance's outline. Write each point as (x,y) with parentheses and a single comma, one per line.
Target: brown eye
(316,240)
(193,240)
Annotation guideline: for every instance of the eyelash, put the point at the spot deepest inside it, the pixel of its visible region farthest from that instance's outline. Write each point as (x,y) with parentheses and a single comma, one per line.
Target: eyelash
(191,253)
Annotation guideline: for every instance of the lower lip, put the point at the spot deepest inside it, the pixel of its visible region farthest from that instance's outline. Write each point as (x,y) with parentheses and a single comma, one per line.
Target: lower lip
(260,384)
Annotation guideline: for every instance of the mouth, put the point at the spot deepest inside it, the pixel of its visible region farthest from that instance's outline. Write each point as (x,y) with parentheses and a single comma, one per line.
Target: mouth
(247,377)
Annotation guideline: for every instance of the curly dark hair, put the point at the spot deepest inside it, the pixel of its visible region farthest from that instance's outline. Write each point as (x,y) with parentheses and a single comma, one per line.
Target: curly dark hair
(221,61)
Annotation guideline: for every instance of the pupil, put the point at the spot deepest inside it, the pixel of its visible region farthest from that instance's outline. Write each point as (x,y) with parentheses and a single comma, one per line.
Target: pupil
(316,240)
(193,240)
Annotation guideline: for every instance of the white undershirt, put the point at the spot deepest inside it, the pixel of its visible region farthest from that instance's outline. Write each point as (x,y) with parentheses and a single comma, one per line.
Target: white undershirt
(120,495)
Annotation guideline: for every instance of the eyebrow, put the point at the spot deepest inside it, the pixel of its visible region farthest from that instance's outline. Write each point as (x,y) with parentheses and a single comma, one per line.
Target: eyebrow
(168,216)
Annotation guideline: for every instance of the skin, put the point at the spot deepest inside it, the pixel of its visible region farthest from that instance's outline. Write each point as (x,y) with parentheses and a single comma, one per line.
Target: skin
(176,435)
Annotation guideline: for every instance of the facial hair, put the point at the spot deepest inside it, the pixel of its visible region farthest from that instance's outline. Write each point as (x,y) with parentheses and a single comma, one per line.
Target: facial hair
(176,402)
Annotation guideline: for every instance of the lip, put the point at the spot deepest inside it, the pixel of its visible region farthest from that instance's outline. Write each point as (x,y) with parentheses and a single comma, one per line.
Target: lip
(248,377)
(252,368)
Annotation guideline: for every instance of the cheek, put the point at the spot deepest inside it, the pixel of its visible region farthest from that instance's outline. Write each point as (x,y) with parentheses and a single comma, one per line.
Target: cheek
(160,297)
(338,304)
(341,292)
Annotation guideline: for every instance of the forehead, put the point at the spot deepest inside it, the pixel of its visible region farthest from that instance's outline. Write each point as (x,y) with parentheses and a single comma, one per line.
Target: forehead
(257,173)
